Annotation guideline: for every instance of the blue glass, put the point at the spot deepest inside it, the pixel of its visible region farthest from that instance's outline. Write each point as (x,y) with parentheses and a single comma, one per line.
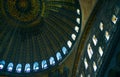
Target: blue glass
(58,55)
(19,68)
(10,67)
(36,66)
(64,50)
(27,68)
(44,64)
(2,63)
(52,61)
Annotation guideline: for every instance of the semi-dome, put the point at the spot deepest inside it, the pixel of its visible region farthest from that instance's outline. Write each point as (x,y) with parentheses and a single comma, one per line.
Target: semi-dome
(36,35)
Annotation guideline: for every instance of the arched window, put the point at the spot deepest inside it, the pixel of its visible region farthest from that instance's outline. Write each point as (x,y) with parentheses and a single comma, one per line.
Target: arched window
(107,35)
(94,66)
(58,55)
(2,63)
(10,67)
(77,29)
(44,64)
(78,20)
(69,43)
(35,66)
(89,51)
(52,61)
(85,63)
(114,19)
(78,11)
(18,68)
(100,51)
(101,26)
(73,36)
(94,40)
(27,68)
(64,50)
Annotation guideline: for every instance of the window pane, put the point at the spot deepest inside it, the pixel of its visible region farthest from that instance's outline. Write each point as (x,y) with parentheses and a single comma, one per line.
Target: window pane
(73,36)
(69,43)
(35,66)
(114,19)
(44,64)
(58,55)
(10,67)
(2,63)
(85,63)
(27,68)
(19,68)
(52,61)
(89,51)
(64,50)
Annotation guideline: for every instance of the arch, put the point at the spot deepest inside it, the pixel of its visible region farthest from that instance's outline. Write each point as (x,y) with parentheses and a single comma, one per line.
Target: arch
(44,64)
(64,50)
(58,55)
(2,63)
(10,67)
(27,68)
(18,68)
(36,66)
(52,61)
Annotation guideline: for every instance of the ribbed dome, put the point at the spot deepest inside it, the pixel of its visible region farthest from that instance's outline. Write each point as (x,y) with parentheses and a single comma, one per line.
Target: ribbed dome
(37,34)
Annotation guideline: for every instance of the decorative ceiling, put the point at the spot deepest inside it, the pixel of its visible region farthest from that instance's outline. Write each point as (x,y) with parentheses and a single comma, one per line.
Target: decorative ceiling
(36,35)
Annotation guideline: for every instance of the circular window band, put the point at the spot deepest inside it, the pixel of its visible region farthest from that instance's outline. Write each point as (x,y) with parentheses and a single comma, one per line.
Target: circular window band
(36,35)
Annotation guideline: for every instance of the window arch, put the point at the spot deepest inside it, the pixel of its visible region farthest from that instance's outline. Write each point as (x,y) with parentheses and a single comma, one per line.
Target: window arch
(89,51)
(64,50)
(52,61)
(78,11)
(27,68)
(10,67)
(73,36)
(77,29)
(69,43)
(107,35)
(100,51)
(44,64)
(58,55)
(114,19)
(2,63)
(18,68)
(94,39)
(36,66)
(78,20)
(101,26)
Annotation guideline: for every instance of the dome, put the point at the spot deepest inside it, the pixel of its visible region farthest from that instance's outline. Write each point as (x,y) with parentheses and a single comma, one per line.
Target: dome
(36,35)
